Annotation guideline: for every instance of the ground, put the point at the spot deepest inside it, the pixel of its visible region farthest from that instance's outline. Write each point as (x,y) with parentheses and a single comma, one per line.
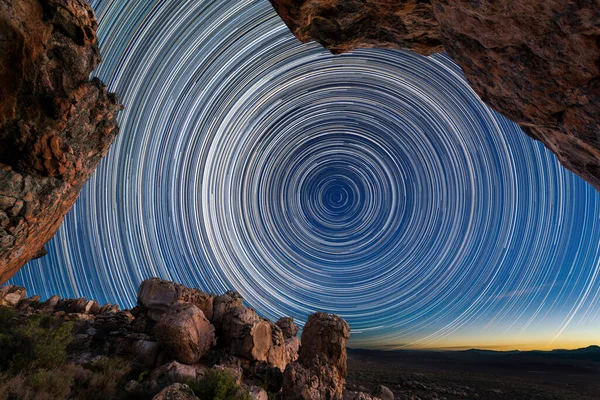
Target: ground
(474,374)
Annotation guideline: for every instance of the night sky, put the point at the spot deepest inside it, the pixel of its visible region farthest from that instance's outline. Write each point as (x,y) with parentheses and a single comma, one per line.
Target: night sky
(375,185)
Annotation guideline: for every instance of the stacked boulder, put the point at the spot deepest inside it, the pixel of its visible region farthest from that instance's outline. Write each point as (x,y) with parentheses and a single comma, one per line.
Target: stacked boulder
(320,371)
(179,333)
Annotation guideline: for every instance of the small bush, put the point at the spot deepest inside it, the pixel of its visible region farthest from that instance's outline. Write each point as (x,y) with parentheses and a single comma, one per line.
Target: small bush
(41,385)
(218,385)
(33,342)
(104,379)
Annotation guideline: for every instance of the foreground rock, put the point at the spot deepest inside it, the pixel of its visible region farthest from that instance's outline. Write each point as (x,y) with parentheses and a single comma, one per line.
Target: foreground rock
(320,371)
(176,391)
(158,296)
(185,332)
(183,345)
(55,124)
(534,61)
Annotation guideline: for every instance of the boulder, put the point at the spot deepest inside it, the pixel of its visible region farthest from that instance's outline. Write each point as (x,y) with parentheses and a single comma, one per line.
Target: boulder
(292,345)
(258,393)
(49,305)
(177,391)
(158,295)
(288,327)
(174,371)
(145,352)
(223,304)
(247,335)
(383,393)
(301,383)
(322,359)
(185,333)
(11,295)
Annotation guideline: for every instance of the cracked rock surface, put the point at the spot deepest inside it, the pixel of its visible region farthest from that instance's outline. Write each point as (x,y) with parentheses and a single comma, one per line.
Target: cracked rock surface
(536,62)
(55,123)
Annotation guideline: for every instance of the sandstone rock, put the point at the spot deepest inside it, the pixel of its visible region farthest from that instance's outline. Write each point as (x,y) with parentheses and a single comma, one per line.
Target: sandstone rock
(109,308)
(288,327)
(11,295)
(177,391)
(301,383)
(223,304)
(247,335)
(158,296)
(534,61)
(27,304)
(55,124)
(383,393)
(292,345)
(92,307)
(185,332)
(49,305)
(145,352)
(343,25)
(176,372)
(321,366)
(258,393)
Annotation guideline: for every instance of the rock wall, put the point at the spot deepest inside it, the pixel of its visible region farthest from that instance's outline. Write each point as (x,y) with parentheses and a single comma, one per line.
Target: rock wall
(55,124)
(536,62)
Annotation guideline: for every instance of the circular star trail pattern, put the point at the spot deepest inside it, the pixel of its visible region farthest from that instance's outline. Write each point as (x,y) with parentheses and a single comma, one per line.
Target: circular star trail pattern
(374,184)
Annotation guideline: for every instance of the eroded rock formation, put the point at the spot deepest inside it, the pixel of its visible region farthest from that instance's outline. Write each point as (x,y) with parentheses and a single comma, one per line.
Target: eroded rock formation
(343,25)
(177,344)
(55,124)
(320,371)
(536,62)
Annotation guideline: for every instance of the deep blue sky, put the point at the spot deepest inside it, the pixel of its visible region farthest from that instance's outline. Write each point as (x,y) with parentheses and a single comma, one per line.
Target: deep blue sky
(375,185)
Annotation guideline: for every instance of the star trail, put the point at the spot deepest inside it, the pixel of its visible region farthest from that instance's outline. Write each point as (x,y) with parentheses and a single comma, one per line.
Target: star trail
(374,184)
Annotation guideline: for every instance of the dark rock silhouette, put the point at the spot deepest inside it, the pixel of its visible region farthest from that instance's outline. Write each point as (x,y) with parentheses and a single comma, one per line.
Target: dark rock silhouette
(55,124)
(536,62)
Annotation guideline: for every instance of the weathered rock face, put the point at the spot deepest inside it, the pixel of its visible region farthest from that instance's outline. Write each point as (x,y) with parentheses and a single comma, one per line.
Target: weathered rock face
(537,63)
(181,346)
(55,124)
(158,296)
(320,371)
(185,332)
(177,391)
(534,61)
(343,25)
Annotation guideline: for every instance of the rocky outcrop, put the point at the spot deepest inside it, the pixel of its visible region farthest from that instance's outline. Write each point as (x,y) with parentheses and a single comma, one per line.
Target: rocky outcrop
(536,62)
(343,25)
(183,345)
(55,124)
(185,332)
(320,371)
(158,296)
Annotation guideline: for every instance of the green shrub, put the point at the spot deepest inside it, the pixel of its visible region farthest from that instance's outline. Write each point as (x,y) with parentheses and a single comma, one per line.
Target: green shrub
(218,385)
(104,380)
(44,384)
(32,342)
